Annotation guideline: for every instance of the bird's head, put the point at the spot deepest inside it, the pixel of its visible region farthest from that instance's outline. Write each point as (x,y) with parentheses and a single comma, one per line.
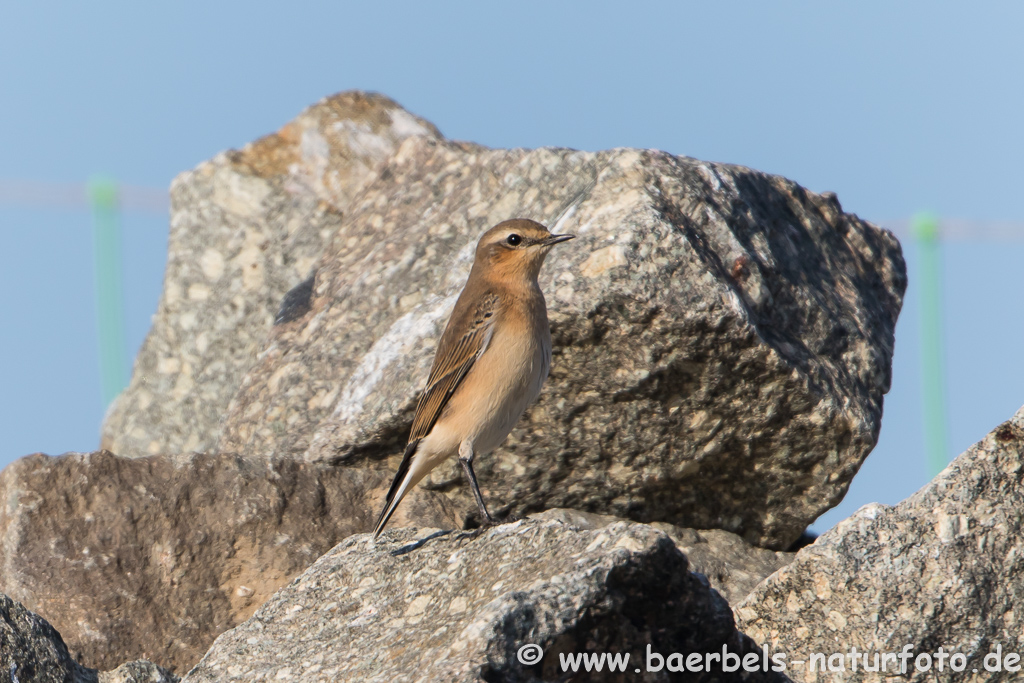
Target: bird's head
(516,248)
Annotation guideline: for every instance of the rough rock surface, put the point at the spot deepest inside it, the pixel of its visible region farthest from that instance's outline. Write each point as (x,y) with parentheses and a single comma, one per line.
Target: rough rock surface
(246,227)
(31,651)
(732,566)
(154,557)
(941,569)
(426,605)
(139,671)
(723,337)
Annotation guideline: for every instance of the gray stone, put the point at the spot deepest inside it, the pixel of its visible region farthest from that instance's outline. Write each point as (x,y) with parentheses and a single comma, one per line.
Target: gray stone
(723,337)
(732,566)
(31,651)
(246,227)
(153,557)
(139,671)
(942,569)
(427,605)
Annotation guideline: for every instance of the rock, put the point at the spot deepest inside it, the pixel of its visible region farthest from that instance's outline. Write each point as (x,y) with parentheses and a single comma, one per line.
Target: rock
(246,227)
(941,569)
(430,605)
(732,566)
(154,557)
(31,651)
(723,337)
(139,671)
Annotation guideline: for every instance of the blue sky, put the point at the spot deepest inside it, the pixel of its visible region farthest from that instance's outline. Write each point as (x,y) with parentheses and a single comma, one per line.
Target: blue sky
(897,107)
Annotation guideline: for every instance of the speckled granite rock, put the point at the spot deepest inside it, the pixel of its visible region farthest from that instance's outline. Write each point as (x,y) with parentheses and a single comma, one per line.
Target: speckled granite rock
(456,606)
(942,568)
(31,651)
(139,671)
(154,557)
(732,566)
(246,227)
(722,337)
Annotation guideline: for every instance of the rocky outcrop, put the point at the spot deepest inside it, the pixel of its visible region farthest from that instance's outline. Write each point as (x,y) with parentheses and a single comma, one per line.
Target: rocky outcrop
(31,651)
(246,227)
(940,570)
(439,606)
(723,341)
(723,337)
(732,566)
(154,557)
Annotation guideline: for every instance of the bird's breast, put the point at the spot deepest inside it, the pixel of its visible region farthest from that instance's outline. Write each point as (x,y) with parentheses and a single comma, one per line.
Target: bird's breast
(506,378)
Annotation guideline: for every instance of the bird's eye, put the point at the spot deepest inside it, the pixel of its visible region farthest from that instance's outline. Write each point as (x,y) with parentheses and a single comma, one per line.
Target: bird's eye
(514,240)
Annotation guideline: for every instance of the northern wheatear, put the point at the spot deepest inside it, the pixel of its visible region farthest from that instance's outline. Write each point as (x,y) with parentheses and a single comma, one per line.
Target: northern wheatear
(490,364)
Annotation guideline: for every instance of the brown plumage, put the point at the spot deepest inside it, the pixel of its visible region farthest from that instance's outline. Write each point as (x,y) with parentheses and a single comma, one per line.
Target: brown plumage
(490,364)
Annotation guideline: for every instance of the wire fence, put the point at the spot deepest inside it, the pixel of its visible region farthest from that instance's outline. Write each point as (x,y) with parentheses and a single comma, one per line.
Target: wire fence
(152,199)
(962,230)
(79,195)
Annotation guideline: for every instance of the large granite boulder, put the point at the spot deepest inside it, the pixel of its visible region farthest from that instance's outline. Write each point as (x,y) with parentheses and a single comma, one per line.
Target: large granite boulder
(723,337)
(428,605)
(154,557)
(31,651)
(943,569)
(246,227)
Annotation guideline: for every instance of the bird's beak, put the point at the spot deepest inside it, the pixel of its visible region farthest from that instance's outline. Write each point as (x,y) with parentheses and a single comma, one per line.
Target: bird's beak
(555,239)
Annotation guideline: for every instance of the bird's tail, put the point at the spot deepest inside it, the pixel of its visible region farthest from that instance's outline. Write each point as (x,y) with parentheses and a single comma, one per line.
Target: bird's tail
(400,485)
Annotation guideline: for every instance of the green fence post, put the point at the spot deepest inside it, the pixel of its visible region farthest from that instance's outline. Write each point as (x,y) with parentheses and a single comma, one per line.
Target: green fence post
(103,196)
(933,384)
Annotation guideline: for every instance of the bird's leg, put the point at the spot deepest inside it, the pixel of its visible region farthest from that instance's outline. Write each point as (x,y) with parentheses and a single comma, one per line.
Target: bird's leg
(466,458)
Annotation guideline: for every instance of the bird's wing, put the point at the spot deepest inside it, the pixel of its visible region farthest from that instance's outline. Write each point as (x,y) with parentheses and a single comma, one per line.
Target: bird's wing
(455,356)
(452,362)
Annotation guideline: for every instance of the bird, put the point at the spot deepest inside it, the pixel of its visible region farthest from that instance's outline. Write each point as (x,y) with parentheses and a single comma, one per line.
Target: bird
(490,364)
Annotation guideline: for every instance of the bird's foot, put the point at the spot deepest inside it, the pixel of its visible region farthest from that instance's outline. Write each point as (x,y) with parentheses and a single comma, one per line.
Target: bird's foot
(498,521)
(483,520)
